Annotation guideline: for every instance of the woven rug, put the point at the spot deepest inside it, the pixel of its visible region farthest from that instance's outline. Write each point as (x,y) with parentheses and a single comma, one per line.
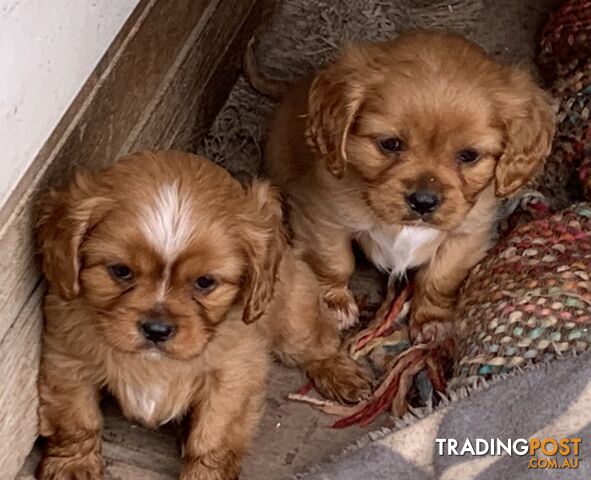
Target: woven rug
(530,299)
(564,60)
(565,40)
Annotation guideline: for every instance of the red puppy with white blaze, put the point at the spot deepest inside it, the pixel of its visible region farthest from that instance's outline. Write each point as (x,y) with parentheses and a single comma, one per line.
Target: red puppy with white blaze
(156,267)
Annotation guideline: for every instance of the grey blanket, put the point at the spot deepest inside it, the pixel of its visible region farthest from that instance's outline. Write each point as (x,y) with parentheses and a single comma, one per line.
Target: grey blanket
(553,400)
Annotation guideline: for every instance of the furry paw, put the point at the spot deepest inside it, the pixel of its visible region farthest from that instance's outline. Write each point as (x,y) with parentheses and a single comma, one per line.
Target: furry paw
(88,467)
(202,469)
(433,331)
(340,378)
(341,303)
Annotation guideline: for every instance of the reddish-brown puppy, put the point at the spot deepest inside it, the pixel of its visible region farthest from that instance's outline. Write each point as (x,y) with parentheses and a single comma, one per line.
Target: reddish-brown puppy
(406,147)
(157,267)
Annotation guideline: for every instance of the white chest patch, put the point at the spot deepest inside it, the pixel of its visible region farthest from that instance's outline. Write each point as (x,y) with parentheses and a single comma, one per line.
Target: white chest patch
(401,250)
(149,404)
(142,402)
(169,222)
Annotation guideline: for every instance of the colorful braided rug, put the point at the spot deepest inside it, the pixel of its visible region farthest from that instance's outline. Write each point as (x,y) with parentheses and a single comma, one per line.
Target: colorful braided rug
(565,43)
(564,59)
(530,299)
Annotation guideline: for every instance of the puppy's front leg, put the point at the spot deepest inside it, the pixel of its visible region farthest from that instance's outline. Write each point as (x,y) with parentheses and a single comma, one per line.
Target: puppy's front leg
(303,333)
(222,422)
(437,285)
(315,347)
(329,253)
(70,418)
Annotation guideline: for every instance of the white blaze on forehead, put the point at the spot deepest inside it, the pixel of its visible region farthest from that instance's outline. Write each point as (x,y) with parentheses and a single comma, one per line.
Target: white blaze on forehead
(168,222)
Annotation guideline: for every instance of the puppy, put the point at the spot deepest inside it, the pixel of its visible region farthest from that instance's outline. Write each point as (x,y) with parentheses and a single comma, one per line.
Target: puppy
(156,267)
(406,147)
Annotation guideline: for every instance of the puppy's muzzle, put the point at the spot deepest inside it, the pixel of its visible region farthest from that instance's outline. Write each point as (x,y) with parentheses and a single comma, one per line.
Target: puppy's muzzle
(423,201)
(157,329)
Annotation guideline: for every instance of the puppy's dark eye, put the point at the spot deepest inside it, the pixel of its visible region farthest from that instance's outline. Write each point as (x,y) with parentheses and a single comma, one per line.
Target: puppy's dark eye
(120,272)
(205,283)
(469,155)
(390,144)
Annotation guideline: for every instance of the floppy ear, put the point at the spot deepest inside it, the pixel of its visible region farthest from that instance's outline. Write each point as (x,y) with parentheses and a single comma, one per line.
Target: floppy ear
(264,240)
(64,218)
(528,117)
(334,98)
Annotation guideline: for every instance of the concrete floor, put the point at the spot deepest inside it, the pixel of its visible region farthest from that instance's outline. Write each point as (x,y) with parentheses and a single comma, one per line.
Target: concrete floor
(293,437)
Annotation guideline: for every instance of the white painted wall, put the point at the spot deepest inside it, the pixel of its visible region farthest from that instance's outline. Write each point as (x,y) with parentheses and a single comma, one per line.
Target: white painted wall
(48,48)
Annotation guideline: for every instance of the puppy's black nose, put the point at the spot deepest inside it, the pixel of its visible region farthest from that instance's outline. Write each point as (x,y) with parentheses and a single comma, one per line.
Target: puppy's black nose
(423,201)
(156,330)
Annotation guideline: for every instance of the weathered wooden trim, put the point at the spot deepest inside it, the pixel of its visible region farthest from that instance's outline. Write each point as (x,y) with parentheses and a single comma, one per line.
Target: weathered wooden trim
(159,85)
(19,357)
